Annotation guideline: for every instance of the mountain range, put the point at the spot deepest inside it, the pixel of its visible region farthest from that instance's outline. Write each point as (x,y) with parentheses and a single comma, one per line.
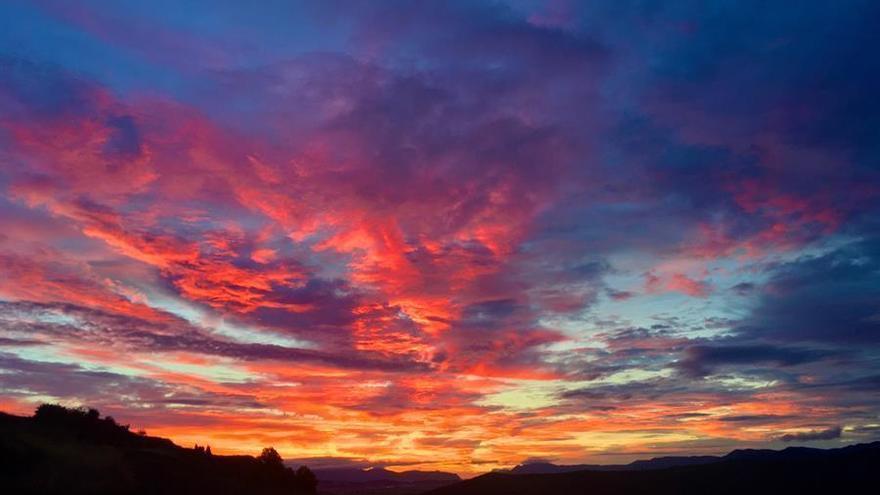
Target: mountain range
(795,470)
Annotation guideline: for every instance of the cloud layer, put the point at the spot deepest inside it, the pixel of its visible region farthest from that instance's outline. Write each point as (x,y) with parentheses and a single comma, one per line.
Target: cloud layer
(449,235)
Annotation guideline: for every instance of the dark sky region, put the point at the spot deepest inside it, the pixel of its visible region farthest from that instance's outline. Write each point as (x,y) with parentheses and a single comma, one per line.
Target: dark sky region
(445,234)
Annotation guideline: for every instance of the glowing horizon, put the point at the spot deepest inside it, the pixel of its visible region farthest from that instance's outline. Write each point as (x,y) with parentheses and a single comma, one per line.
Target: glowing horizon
(444,235)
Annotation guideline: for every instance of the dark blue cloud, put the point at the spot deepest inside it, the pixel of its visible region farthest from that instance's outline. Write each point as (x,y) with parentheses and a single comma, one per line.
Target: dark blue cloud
(125,139)
(700,360)
(830,298)
(41,90)
(826,434)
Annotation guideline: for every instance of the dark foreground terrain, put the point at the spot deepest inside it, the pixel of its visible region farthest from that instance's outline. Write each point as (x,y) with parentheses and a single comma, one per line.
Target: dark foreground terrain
(73,451)
(854,469)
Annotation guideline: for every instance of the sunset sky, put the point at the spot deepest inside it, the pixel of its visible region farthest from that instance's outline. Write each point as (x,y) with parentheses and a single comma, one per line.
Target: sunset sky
(445,235)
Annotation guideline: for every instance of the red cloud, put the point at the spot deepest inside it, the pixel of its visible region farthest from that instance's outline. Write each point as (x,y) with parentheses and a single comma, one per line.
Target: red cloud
(676,282)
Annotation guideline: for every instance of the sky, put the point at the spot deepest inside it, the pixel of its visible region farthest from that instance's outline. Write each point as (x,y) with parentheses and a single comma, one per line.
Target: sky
(445,235)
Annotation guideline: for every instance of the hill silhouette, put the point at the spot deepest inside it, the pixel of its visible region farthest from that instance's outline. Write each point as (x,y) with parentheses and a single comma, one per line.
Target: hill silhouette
(76,451)
(355,481)
(646,464)
(795,470)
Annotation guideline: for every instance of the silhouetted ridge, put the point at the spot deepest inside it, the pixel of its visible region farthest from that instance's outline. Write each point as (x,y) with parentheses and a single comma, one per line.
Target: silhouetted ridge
(794,470)
(76,451)
(640,465)
(352,480)
(671,461)
(376,474)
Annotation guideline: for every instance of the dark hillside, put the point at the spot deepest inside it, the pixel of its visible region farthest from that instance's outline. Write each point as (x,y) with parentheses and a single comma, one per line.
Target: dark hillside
(74,451)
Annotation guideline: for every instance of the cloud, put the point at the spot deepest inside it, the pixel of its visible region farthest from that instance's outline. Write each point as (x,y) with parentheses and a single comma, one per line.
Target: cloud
(42,379)
(755,418)
(315,463)
(29,89)
(130,333)
(813,435)
(828,298)
(743,288)
(677,282)
(8,342)
(701,360)
(359,220)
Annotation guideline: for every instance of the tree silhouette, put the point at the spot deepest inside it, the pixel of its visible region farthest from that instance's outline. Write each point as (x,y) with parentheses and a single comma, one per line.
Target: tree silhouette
(307,479)
(53,413)
(271,457)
